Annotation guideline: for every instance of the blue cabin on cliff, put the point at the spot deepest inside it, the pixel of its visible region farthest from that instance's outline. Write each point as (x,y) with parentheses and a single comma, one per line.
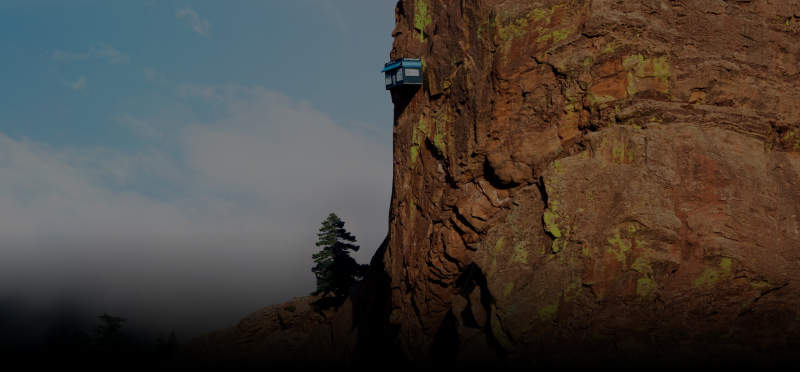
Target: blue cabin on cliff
(404,71)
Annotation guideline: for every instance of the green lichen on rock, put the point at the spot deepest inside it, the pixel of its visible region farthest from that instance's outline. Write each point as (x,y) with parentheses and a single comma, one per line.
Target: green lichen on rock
(513,29)
(499,245)
(548,312)
(631,89)
(620,153)
(498,333)
(632,61)
(595,99)
(791,139)
(621,243)
(520,253)
(661,68)
(418,133)
(609,48)
(539,14)
(560,35)
(640,67)
(422,18)
(441,134)
(646,287)
(555,35)
(550,224)
(759,284)
(438,142)
(413,155)
(558,245)
(713,275)
(396,316)
(507,289)
(573,290)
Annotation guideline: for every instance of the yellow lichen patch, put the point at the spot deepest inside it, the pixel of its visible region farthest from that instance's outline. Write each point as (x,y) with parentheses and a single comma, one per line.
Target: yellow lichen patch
(559,245)
(557,166)
(622,241)
(513,29)
(759,284)
(441,134)
(507,289)
(609,48)
(422,18)
(548,312)
(498,332)
(646,286)
(555,35)
(541,13)
(621,150)
(520,254)
(642,265)
(499,245)
(418,134)
(713,275)
(550,223)
(562,34)
(646,74)
(413,155)
(791,139)
(595,99)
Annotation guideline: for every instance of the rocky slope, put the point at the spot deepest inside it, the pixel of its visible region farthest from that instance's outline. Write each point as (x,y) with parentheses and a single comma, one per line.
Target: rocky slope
(591,180)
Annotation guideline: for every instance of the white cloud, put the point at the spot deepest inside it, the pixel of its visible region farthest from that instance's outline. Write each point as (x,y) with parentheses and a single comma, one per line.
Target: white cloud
(98,51)
(199,25)
(244,198)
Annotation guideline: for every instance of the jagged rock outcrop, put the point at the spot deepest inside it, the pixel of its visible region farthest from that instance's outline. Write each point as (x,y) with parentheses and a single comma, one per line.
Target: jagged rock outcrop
(594,180)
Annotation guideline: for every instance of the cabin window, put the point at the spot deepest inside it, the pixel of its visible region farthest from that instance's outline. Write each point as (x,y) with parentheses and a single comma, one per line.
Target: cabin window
(412,72)
(388,79)
(399,76)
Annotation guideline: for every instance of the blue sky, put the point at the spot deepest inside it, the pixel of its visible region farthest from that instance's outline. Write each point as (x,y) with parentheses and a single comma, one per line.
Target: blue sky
(323,52)
(199,142)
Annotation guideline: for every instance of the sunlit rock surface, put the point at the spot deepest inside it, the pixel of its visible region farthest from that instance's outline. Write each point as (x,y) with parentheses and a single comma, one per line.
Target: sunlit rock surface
(586,181)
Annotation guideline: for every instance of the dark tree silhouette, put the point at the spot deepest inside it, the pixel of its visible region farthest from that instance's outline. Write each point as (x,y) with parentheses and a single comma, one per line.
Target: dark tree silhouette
(109,333)
(335,270)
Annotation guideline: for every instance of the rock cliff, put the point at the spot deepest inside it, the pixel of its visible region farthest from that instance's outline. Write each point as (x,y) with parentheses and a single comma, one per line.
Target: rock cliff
(591,180)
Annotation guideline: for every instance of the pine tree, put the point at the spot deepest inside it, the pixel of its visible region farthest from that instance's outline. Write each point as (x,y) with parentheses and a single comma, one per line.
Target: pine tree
(335,270)
(108,334)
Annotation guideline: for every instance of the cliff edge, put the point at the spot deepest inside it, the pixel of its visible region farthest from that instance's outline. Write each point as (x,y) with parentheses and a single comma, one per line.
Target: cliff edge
(580,181)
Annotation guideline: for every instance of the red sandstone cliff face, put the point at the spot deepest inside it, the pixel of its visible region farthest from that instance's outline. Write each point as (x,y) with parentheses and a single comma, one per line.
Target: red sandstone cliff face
(589,179)
(595,173)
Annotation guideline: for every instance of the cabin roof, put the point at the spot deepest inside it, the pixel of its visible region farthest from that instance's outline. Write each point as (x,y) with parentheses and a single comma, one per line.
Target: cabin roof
(405,62)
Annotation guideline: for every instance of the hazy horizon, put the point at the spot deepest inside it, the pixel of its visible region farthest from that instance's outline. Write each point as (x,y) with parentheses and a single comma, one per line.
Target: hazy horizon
(171,162)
